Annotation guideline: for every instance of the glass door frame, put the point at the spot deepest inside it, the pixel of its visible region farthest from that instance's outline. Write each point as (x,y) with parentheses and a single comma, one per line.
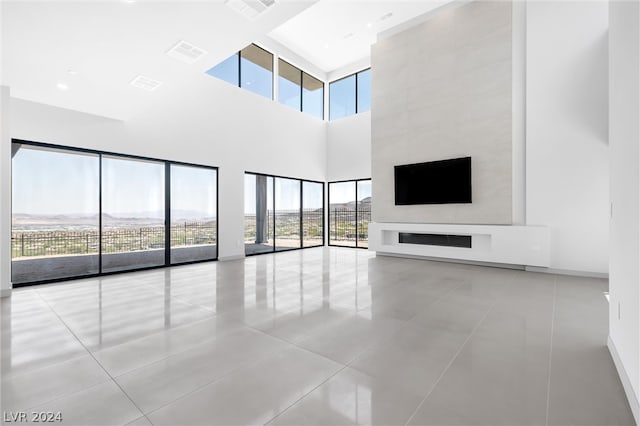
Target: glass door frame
(355,182)
(167,208)
(301,182)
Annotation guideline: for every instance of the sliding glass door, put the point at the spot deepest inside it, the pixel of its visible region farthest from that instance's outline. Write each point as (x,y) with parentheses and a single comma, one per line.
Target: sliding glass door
(81,213)
(342,214)
(363,212)
(282,213)
(55,217)
(312,214)
(194,206)
(258,214)
(287,213)
(349,213)
(133,206)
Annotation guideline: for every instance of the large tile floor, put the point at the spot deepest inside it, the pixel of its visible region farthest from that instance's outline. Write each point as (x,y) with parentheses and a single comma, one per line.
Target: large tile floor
(325,336)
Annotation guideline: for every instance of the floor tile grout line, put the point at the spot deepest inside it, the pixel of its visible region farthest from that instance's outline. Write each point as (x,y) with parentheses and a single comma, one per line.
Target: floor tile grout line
(553,317)
(450,363)
(308,393)
(71,394)
(348,364)
(204,385)
(248,364)
(405,322)
(234,370)
(94,358)
(344,367)
(36,368)
(178,352)
(242,324)
(11,376)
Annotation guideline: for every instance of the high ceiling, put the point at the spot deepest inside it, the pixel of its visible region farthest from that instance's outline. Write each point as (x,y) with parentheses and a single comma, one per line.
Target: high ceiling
(82,55)
(334,33)
(95,48)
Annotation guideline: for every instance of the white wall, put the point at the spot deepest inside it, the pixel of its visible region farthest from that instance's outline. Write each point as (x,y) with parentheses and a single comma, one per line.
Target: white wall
(205,122)
(567,166)
(624,139)
(349,147)
(5,194)
(565,174)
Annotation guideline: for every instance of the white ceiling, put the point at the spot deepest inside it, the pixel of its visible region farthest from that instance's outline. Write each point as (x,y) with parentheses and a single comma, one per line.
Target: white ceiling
(334,33)
(106,44)
(95,48)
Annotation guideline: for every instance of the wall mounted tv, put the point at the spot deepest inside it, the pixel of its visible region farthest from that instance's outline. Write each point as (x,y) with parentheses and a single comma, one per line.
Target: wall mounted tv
(435,182)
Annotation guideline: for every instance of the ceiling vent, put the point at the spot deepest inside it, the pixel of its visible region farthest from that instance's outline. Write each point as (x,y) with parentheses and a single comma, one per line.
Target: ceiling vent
(186,52)
(250,8)
(146,83)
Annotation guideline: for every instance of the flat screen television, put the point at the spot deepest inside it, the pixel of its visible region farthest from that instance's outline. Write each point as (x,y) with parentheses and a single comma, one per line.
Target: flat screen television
(435,182)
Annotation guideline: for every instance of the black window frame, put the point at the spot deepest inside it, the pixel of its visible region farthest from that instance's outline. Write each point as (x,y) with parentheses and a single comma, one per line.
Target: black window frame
(302,73)
(324,212)
(274,76)
(355,75)
(167,210)
(355,182)
(273,57)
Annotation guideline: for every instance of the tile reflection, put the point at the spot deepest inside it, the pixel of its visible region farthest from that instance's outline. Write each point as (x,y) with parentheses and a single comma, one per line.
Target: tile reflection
(322,336)
(352,398)
(110,311)
(32,335)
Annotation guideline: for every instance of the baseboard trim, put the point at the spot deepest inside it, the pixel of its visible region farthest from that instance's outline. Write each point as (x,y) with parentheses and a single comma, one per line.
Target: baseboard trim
(585,274)
(634,402)
(449,260)
(235,257)
(5,292)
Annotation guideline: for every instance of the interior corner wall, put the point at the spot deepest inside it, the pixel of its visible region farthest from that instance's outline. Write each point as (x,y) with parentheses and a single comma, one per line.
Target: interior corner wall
(206,122)
(5,194)
(443,89)
(349,148)
(567,165)
(624,140)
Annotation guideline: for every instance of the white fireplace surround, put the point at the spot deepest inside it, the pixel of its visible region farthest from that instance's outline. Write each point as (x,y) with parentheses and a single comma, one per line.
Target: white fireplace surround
(499,244)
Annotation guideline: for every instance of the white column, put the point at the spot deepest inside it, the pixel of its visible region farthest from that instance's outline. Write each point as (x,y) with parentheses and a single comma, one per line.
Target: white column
(5,194)
(624,244)
(518,111)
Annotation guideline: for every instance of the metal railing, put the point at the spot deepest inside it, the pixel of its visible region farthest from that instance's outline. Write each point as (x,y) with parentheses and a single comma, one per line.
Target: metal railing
(53,243)
(343,226)
(114,240)
(287,225)
(193,233)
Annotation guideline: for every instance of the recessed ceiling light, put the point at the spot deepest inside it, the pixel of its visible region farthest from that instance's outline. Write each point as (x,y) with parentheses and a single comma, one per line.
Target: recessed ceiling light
(386,16)
(250,8)
(348,36)
(186,52)
(62,86)
(326,45)
(369,24)
(146,83)
(72,72)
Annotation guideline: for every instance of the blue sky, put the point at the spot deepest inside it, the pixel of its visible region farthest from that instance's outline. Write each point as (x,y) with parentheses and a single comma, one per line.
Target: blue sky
(55,182)
(260,80)
(51,182)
